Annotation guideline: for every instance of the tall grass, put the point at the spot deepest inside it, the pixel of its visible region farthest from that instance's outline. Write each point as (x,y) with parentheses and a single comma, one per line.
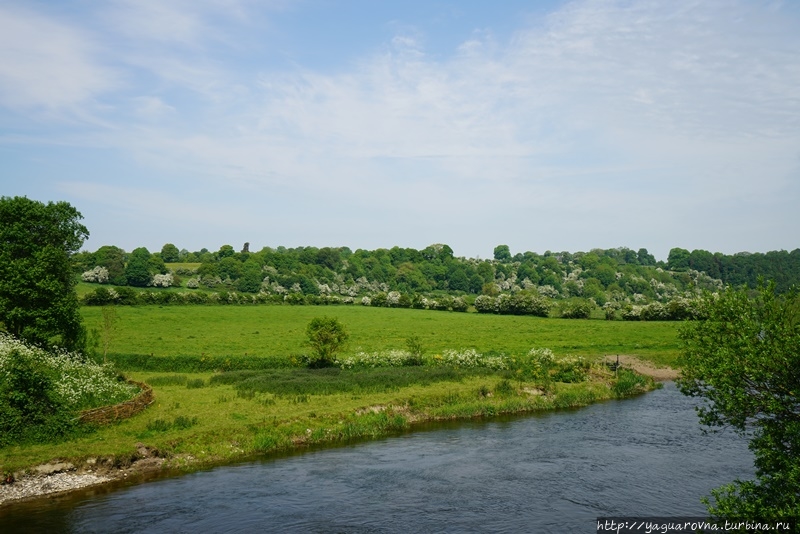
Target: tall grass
(332,381)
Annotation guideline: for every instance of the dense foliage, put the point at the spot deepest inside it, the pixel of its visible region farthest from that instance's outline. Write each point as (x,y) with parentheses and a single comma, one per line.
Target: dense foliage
(743,358)
(37,286)
(743,268)
(621,280)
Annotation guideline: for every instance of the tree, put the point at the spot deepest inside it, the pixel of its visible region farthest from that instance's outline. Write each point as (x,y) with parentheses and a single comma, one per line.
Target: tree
(170,253)
(502,253)
(326,336)
(113,259)
(678,259)
(328,257)
(225,251)
(743,358)
(645,258)
(137,271)
(37,286)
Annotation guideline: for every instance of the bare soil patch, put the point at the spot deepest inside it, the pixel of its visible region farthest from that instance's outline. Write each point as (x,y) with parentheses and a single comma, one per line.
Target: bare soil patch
(660,374)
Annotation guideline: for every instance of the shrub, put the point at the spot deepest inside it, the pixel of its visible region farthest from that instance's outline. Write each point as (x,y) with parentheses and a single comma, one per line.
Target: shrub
(391,358)
(98,275)
(577,309)
(415,350)
(40,391)
(522,303)
(101,297)
(28,401)
(459,304)
(471,358)
(326,336)
(162,280)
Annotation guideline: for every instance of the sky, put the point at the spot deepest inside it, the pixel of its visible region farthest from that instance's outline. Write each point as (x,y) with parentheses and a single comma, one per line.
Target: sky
(542,125)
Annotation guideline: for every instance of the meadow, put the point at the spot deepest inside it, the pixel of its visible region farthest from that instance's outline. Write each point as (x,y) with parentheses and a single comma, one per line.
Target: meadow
(278,332)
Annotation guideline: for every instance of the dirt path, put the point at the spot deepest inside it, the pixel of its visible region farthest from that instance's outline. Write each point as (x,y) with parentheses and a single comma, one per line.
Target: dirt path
(645,368)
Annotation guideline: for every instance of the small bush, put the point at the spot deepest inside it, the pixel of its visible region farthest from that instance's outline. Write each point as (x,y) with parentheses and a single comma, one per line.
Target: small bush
(415,350)
(577,309)
(326,336)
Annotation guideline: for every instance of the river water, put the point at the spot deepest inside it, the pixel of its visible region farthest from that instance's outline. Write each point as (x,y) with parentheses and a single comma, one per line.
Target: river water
(554,472)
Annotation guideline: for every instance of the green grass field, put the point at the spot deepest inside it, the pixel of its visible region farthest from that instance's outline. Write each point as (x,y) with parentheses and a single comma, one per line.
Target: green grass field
(279,332)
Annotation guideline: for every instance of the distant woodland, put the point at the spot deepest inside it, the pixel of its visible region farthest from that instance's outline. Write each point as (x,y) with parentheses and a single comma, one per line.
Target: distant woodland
(618,279)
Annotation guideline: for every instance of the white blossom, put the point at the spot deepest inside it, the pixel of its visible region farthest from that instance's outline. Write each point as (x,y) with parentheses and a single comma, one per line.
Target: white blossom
(98,275)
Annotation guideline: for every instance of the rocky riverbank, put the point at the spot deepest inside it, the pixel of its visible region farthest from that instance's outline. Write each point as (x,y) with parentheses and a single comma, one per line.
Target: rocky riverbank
(62,477)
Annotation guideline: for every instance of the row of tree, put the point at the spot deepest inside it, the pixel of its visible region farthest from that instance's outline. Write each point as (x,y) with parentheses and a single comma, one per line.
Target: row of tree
(599,275)
(743,268)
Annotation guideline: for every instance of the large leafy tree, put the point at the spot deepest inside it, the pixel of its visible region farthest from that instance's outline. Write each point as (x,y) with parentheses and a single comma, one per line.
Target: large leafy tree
(170,253)
(743,359)
(113,259)
(137,271)
(37,286)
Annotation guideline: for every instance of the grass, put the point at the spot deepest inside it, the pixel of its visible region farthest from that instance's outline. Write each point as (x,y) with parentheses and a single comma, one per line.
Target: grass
(197,427)
(206,418)
(276,332)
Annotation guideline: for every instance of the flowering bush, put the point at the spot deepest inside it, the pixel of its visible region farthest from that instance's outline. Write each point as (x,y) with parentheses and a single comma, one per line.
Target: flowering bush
(521,303)
(98,275)
(540,361)
(162,280)
(471,358)
(391,358)
(484,304)
(393,299)
(459,304)
(41,388)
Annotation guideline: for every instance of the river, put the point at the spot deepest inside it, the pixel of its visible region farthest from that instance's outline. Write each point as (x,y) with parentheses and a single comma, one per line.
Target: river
(552,472)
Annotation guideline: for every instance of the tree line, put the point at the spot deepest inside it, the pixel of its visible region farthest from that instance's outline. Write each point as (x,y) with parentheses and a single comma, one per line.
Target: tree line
(742,268)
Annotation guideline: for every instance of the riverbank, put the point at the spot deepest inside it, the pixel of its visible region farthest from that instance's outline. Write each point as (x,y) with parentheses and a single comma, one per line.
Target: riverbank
(643,367)
(225,427)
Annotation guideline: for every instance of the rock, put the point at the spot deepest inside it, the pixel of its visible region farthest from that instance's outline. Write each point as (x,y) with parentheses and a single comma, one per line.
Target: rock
(49,469)
(30,486)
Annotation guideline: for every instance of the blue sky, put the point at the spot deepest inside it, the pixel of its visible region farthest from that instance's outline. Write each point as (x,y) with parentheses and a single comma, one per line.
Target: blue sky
(540,125)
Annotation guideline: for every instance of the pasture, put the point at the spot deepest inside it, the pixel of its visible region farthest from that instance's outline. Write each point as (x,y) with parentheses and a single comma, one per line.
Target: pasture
(278,332)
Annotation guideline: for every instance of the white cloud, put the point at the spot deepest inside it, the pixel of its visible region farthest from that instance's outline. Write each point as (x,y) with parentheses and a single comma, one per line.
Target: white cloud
(45,63)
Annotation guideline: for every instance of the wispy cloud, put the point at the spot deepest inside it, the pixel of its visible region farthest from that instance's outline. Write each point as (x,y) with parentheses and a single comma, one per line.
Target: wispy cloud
(48,64)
